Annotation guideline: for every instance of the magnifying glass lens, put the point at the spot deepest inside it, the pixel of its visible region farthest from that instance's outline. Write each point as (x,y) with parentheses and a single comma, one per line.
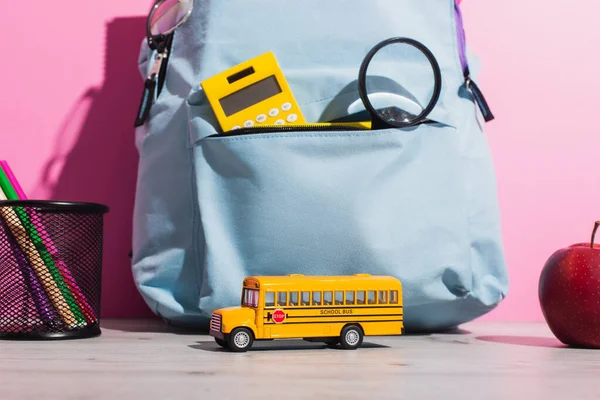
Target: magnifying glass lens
(168,15)
(400,83)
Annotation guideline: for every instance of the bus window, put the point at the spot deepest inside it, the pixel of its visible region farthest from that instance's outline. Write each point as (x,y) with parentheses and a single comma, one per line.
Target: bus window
(282,299)
(360,297)
(327,298)
(349,297)
(316,301)
(269,299)
(305,301)
(383,297)
(293,298)
(393,297)
(339,298)
(250,297)
(372,297)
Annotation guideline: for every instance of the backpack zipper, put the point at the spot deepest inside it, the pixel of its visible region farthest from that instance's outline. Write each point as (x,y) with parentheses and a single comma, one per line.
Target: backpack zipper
(292,128)
(470,84)
(318,127)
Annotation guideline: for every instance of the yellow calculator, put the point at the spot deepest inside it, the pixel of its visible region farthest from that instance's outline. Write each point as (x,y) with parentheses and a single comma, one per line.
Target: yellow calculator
(252,94)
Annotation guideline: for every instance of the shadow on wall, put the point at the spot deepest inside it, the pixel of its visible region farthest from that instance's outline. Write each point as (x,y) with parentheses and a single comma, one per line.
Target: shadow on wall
(97,159)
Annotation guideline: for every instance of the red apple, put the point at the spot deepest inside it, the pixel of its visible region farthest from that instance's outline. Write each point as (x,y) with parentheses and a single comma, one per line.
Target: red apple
(569,294)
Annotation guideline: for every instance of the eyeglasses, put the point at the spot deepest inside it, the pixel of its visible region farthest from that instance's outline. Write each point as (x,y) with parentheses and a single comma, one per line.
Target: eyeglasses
(164,18)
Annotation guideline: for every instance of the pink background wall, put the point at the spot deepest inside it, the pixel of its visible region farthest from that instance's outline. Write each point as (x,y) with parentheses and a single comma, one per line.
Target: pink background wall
(71,90)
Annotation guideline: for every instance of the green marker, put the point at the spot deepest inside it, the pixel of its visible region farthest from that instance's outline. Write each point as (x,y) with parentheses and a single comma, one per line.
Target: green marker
(7,187)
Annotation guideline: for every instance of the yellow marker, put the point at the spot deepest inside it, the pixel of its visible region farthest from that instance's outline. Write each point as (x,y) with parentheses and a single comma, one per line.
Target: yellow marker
(252,94)
(329,126)
(331,309)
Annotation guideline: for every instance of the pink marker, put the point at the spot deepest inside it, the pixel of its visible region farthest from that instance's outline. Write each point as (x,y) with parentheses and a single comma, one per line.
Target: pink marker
(13,180)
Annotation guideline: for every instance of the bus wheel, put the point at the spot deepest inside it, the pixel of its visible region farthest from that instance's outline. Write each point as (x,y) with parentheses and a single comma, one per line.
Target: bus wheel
(351,337)
(240,339)
(222,343)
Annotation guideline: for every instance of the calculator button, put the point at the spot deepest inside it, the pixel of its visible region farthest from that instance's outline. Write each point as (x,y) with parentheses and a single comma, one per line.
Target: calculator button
(292,118)
(248,123)
(274,112)
(261,118)
(279,122)
(286,106)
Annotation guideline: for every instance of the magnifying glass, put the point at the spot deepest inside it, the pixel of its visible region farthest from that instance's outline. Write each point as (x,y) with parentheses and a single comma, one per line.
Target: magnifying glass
(164,18)
(399,83)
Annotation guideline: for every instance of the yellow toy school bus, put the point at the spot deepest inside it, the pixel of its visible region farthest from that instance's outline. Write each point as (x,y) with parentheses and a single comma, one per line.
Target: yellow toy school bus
(332,309)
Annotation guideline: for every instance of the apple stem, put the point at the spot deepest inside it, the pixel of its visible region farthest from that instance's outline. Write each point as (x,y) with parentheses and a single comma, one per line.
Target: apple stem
(594,233)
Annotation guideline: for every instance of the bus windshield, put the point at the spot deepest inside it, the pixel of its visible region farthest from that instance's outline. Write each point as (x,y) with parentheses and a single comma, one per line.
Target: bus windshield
(250,298)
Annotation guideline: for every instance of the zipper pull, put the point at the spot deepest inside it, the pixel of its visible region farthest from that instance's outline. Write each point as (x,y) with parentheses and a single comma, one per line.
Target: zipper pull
(149,90)
(146,103)
(479,99)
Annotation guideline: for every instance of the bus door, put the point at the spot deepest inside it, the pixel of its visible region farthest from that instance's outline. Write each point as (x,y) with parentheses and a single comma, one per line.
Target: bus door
(276,313)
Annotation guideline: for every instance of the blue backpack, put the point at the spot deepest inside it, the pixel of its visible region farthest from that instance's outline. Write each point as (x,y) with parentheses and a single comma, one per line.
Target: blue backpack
(419,204)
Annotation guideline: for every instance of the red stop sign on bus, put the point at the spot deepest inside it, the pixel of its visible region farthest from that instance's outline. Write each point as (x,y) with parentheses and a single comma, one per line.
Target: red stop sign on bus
(278,316)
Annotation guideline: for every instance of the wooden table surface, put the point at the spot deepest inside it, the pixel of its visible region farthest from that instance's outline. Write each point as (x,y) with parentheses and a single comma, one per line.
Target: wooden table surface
(143,359)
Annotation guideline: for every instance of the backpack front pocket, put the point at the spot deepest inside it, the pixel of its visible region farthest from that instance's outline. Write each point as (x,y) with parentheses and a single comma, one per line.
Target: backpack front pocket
(385,202)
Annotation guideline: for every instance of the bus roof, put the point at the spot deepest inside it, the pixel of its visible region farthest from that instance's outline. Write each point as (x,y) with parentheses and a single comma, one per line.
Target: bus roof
(299,279)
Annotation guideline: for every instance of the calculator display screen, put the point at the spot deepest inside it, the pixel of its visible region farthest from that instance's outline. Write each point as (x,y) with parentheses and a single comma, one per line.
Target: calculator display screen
(250,95)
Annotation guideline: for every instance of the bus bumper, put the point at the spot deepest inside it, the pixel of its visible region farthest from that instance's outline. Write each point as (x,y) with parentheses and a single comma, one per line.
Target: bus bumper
(218,335)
